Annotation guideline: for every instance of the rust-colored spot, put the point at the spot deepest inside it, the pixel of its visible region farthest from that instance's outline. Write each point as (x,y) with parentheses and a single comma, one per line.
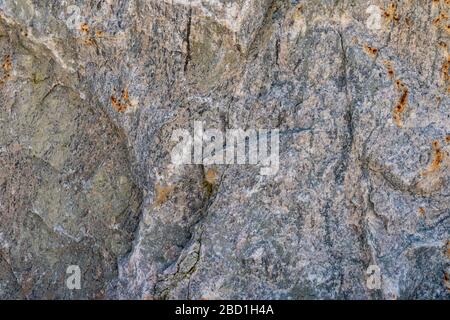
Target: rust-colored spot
(437,21)
(114,100)
(116,104)
(84,27)
(99,33)
(435,145)
(438,158)
(444,70)
(211,177)
(397,119)
(162,193)
(447,139)
(371,51)
(7,64)
(389,68)
(409,22)
(297,13)
(400,108)
(89,42)
(7,67)
(390,14)
(125,95)
(210,182)
(441,21)
(421,212)
(123,103)
(400,85)
(403,99)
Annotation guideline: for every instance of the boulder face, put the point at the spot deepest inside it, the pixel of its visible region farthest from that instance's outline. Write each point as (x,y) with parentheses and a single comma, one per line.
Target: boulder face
(92,91)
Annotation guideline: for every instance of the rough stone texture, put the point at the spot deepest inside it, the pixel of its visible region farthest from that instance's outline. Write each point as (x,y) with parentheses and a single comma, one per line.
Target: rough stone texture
(87,115)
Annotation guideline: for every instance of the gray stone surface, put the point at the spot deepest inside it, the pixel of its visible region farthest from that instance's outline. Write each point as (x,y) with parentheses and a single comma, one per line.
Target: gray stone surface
(88,107)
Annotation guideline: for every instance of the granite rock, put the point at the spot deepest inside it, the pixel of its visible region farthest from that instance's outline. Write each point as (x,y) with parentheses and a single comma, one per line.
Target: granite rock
(92,92)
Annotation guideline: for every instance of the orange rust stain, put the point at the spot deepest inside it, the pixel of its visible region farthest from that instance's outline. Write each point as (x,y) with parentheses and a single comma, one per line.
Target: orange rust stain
(162,193)
(443,45)
(441,21)
(440,18)
(400,85)
(114,101)
(409,22)
(390,69)
(89,42)
(438,158)
(7,64)
(445,74)
(435,3)
(7,67)
(117,105)
(211,176)
(84,27)
(444,70)
(390,14)
(401,105)
(436,21)
(125,95)
(371,51)
(421,212)
(298,12)
(123,103)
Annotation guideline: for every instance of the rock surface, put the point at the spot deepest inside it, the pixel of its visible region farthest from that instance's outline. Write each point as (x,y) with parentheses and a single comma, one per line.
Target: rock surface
(91,92)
